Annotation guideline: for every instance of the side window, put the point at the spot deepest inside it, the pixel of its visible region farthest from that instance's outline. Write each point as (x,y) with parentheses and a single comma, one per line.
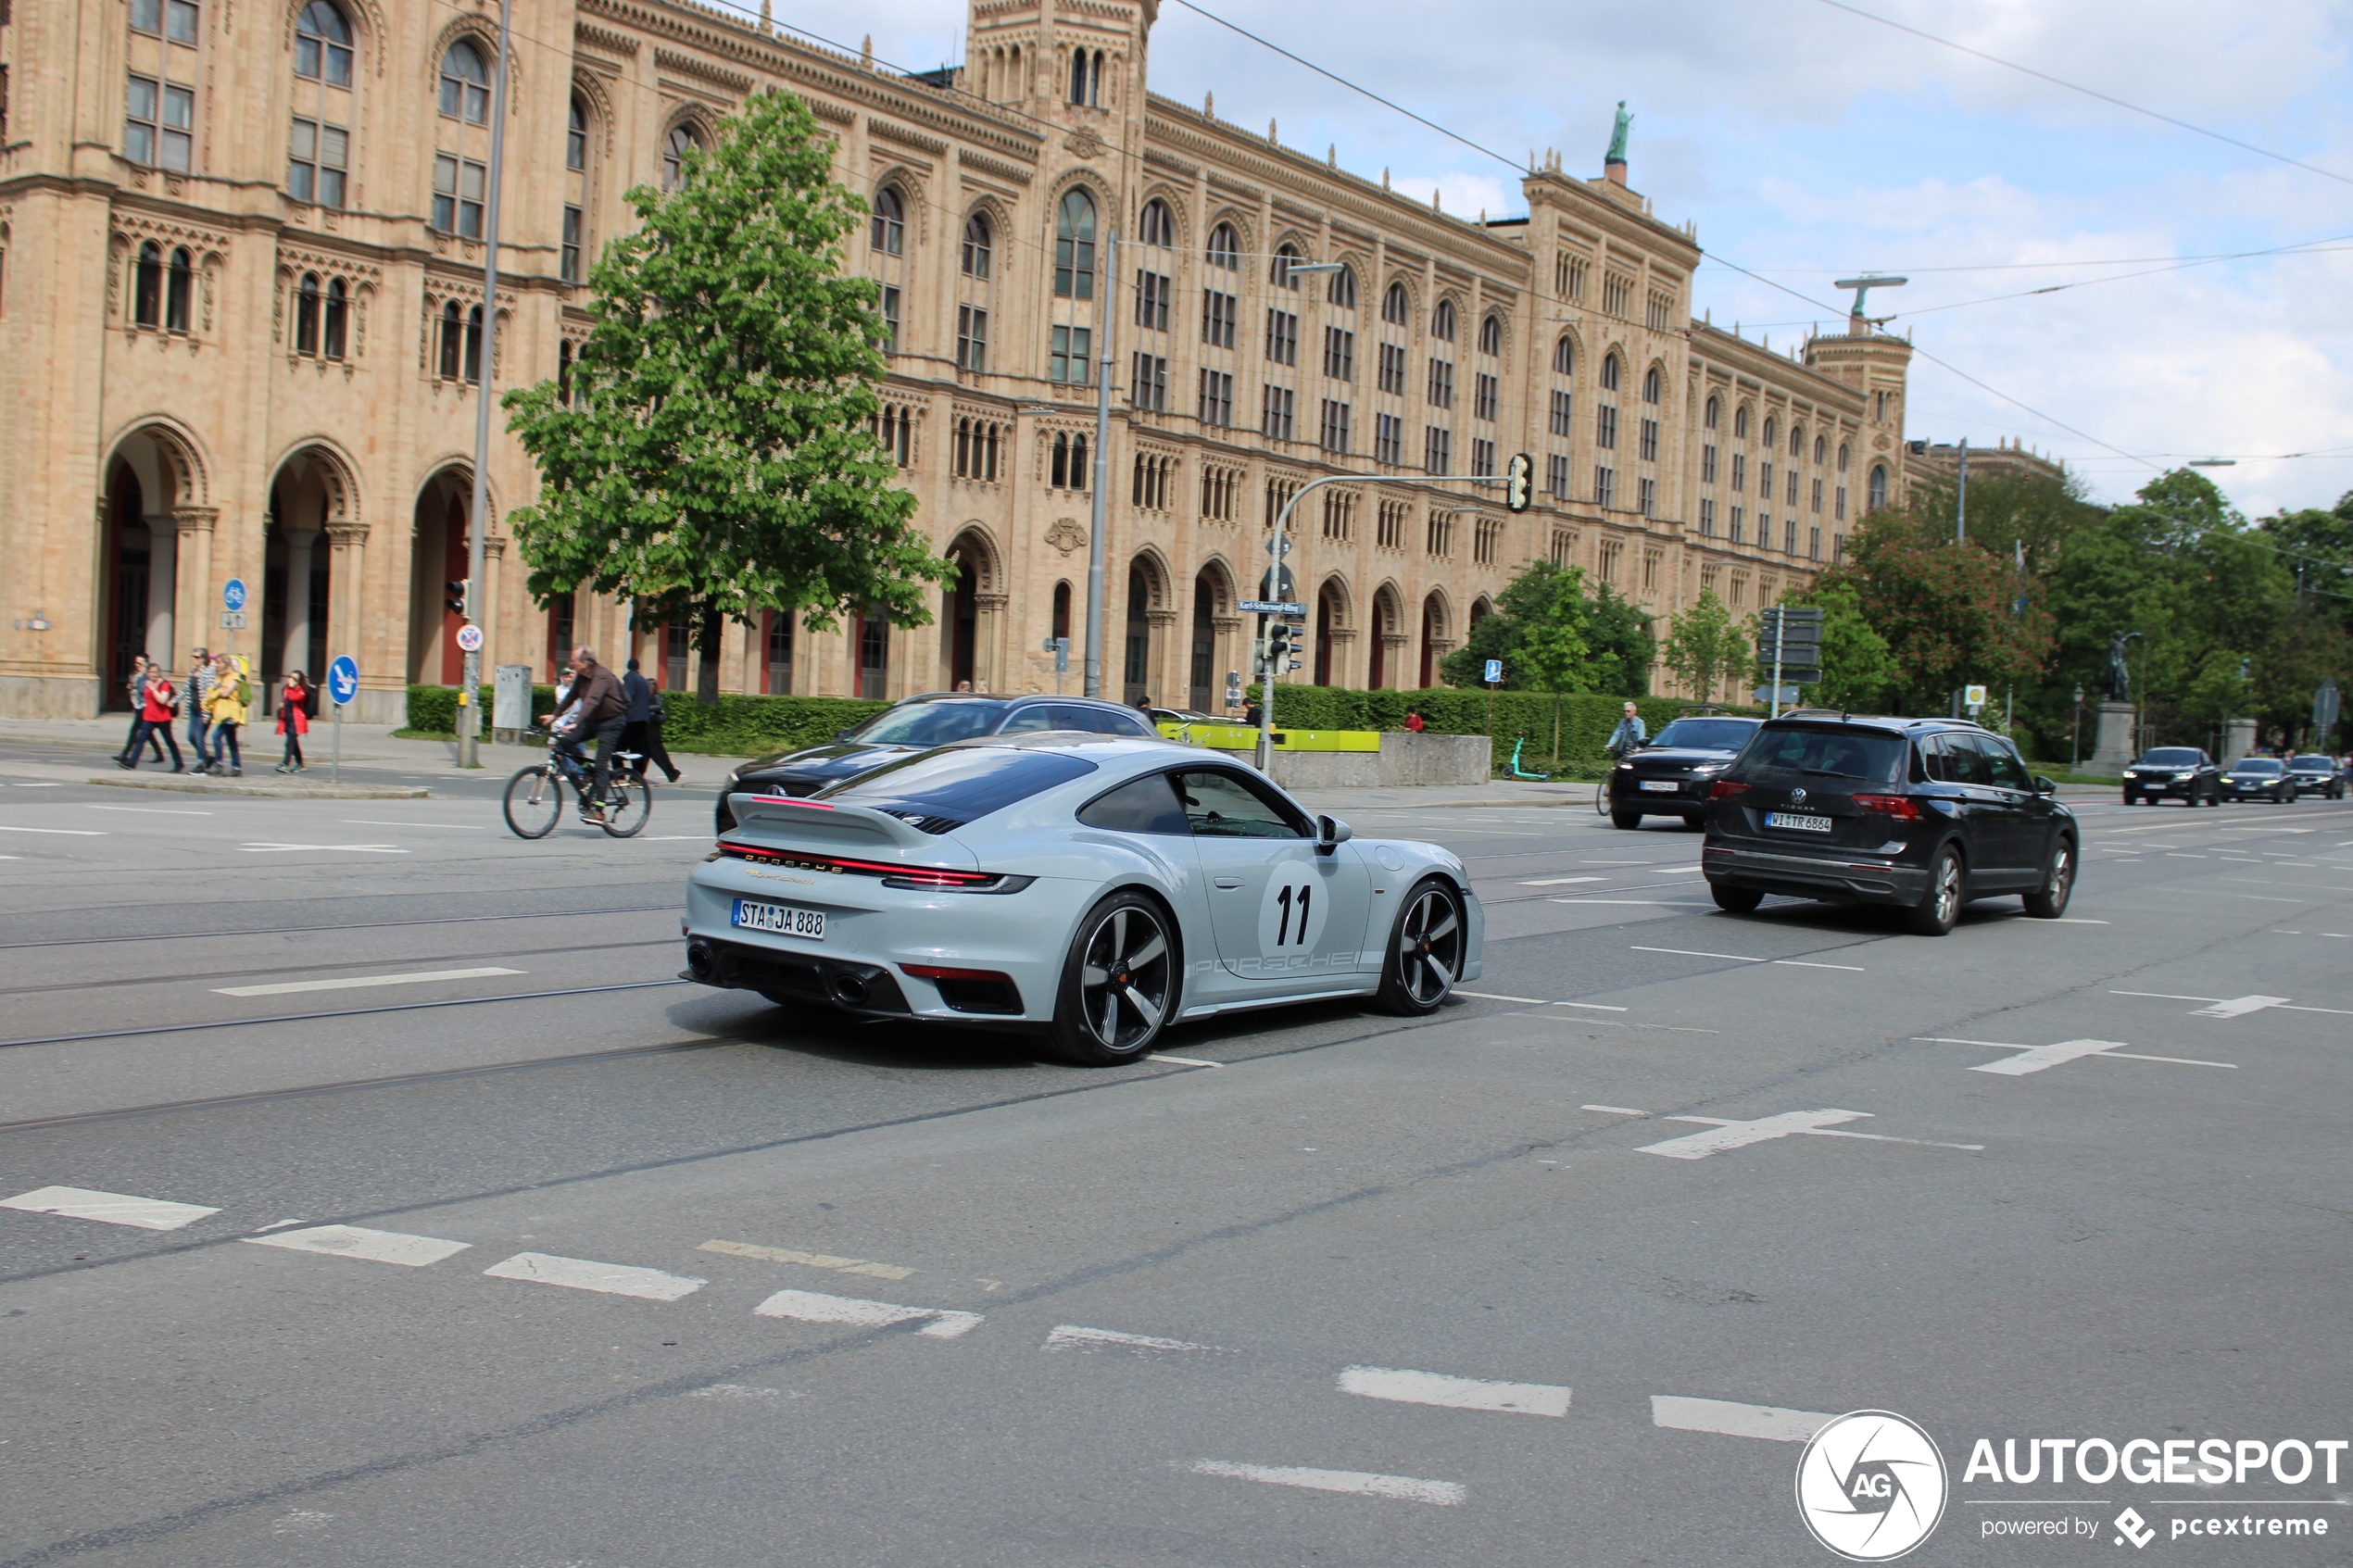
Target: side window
(1223,805)
(1028,719)
(1147,805)
(1968,764)
(1938,759)
(1125,723)
(2007,772)
(1071,717)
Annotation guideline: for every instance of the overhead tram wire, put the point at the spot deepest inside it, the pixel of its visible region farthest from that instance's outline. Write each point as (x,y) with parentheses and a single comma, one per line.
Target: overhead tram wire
(2092,92)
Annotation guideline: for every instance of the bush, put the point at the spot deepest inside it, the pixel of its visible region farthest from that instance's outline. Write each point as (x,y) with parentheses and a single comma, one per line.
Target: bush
(733,726)
(1584,719)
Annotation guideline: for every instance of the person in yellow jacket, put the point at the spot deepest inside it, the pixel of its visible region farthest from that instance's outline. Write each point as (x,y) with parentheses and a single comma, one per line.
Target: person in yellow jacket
(230,701)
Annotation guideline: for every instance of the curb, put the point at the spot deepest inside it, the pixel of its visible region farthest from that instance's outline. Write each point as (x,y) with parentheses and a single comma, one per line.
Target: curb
(274,791)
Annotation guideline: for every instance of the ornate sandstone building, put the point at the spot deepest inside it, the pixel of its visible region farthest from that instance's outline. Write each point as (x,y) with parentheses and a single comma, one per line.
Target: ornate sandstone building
(240,333)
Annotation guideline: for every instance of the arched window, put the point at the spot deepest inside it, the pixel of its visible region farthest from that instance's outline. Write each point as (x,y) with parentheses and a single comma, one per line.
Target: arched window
(178,287)
(1651,384)
(322,44)
(147,289)
(1820,446)
(1490,336)
(889,226)
(339,320)
(1740,423)
(1394,305)
(1772,427)
(577,137)
(453,341)
(1609,373)
(1797,441)
(473,344)
(1877,490)
(1075,247)
(306,315)
(1842,457)
(1223,249)
(465,84)
(1157,226)
(563,372)
(1714,415)
(1441,321)
(976,245)
(1087,77)
(1279,271)
(681,141)
(1342,289)
(1563,357)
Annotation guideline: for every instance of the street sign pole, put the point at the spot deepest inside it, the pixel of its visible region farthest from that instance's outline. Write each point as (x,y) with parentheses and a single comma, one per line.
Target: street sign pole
(469,693)
(343,684)
(1104,316)
(1779,621)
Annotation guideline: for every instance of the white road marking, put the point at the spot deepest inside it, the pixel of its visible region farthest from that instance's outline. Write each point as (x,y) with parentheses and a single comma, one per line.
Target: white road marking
(735,1391)
(2070,919)
(1646,903)
(354,848)
(353,982)
(2037,1059)
(1492,997)
(1560,881)
(2239,1007)
(1446,1493)
(382,822)
(147,811)
(809,1260)
(1738,958)
(1183,1060)
(1614,1110)
(375,1247)
(808,1307)
(1735,1420)
(613,1279)
(1071,1337)
(1453,1393)
(70,832)
(108,1207)
(1590,1006)
(37,786)
(1722,1134)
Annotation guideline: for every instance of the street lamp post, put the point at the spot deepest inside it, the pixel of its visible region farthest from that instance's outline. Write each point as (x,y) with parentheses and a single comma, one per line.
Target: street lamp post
(469,708)
(1104,316)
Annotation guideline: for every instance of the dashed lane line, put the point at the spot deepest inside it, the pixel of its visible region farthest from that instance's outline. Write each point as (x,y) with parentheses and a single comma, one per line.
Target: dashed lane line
(1724,1417)
(1742,958)
(1075,1337)
(68,833)
(1453,1393)
(350,849)
(807,1306)
(1445,1494)
(356,981)
(356,1241)
(108,1207)
(610,1279)
(807,1260)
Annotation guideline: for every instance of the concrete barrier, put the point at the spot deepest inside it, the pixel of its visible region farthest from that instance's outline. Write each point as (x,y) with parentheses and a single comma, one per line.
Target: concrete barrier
(1404,759)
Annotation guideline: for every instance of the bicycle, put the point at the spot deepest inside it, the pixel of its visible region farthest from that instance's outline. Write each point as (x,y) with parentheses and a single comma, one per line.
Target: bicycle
(533,801)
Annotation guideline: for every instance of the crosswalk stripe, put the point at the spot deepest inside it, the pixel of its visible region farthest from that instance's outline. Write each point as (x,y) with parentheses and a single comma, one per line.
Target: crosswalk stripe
(108,1207)
(1453,1393)
(613,1279)
(1446,1493)
(1734,1420)
(807,1306)
(375,1247)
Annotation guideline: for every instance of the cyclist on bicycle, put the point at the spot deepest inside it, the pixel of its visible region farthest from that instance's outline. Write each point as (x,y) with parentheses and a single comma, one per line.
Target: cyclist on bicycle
(1629,736)
(597,707)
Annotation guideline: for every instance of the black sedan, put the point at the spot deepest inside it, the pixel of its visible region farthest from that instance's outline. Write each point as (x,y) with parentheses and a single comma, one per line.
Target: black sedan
(919,723)
(2318,775)
(2259,778)
(1669,777)
(2183,771)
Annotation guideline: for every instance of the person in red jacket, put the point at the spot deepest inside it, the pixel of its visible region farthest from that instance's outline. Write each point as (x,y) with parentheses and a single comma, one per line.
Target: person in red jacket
(296,699)
(158,702)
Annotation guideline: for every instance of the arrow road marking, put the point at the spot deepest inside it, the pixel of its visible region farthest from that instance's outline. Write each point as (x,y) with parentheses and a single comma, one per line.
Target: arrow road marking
(1723,1134)
(2038,1058)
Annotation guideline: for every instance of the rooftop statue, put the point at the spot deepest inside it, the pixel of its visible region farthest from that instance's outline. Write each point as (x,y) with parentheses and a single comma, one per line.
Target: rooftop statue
(1617,135)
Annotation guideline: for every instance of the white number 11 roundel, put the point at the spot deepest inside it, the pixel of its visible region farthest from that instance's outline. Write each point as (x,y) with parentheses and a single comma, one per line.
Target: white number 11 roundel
(1291,918)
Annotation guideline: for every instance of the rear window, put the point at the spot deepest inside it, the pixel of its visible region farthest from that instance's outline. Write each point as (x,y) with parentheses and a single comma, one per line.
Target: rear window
(1706,734)
(2172,757)
(1866,754)
(949,788)
(929,723)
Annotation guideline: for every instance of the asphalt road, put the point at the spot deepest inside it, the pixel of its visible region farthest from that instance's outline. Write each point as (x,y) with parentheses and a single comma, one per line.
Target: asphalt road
(1564,1274)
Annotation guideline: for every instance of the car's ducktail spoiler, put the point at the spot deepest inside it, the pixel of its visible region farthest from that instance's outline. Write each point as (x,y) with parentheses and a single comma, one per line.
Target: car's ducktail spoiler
(858,830)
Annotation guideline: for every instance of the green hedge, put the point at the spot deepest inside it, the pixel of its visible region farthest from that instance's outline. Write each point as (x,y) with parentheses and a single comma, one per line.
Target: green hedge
(733,726)
(1585,718)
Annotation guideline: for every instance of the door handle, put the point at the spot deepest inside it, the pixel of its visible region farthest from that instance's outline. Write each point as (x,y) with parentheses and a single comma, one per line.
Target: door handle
(1229,881)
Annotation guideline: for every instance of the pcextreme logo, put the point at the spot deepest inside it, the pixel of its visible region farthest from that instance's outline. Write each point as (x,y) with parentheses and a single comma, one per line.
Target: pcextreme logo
(1871,1485)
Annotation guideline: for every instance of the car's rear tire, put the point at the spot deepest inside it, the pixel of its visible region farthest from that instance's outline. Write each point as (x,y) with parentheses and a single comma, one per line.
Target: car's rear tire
(1734,900)
(1425,956)
(1119,983)
(2049,901)
(1695,819)
(1939,908)
(1626,818)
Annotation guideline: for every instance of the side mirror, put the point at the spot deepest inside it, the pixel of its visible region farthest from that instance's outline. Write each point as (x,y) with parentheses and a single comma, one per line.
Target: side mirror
(2046,786)
(842,735)
(1330,833)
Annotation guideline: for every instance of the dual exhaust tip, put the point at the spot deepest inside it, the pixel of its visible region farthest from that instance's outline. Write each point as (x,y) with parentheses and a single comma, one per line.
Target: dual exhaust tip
(846,986)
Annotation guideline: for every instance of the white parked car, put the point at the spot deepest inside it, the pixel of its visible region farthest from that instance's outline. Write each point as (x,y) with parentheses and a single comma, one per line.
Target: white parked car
(1095,887)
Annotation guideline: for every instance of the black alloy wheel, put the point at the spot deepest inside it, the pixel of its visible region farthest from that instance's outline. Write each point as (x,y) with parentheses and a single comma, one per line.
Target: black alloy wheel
(1119,983)
(1939,908)
(1425,950)
(2049,901)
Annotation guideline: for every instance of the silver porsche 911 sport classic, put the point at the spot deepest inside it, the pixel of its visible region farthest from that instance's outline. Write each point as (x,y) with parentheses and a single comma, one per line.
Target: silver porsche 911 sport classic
(1094,887)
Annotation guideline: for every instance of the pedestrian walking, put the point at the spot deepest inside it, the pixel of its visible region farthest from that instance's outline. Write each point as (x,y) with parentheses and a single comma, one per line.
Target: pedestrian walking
(1630,734)
(295,700)
(159,700)
(199,688)
(231,700)
(136,688)
(642,733)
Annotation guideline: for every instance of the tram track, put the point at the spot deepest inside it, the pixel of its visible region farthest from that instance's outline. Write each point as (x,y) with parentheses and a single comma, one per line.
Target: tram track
(356,925)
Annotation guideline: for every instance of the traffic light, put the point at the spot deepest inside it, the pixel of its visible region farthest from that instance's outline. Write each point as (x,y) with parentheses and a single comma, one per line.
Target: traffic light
(454,597)
(1520,483)
(1274,648)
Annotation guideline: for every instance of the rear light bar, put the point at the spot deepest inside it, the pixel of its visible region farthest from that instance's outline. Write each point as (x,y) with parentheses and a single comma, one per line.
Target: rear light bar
(941,972)
(1903,807)
(892,875)
(789,800)
(1725,789)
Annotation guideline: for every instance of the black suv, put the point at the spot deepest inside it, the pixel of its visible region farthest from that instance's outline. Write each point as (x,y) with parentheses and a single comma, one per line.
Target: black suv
(2315,774)
(1670,775)
(1923,814)
(2180,770)
(918,724)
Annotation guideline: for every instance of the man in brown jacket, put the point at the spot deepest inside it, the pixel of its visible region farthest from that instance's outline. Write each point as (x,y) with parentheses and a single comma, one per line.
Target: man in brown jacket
(601,710)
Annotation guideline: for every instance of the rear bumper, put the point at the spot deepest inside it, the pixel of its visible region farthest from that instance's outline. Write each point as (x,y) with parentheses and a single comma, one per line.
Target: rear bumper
(1814,876)
(739,966)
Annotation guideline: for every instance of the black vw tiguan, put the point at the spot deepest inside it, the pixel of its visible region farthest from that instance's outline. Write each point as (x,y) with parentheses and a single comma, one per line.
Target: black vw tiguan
(1922,814)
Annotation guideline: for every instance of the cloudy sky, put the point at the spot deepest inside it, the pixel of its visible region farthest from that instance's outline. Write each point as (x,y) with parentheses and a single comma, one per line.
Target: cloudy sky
(1809,143)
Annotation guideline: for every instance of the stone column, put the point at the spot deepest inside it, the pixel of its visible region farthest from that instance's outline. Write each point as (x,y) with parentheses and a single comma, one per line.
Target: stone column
(194,593)
(1161,642)
(2115,749)
(498,633)
(295,655)
(347,561)
(163,556)
(1227,640)
(2238,739)
(989,636)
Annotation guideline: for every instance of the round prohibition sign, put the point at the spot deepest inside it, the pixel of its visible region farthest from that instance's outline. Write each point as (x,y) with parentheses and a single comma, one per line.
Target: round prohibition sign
(469,639)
